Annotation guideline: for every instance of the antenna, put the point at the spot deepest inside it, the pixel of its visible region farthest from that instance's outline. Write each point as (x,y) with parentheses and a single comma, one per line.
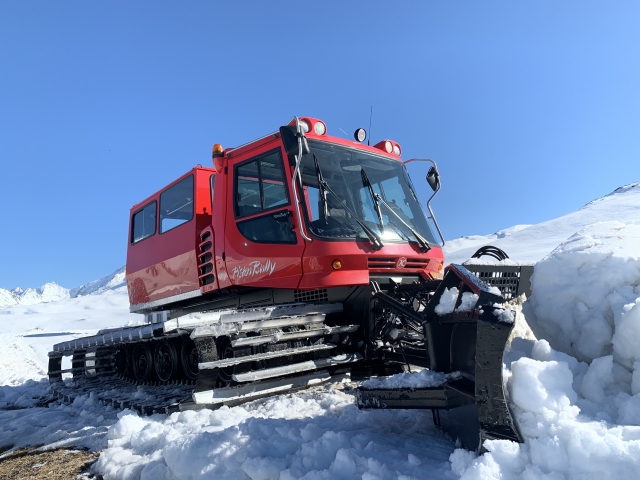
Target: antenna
(370,117)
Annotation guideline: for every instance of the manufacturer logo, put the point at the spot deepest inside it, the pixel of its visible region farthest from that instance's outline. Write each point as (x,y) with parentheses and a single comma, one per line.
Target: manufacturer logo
(254,268)
(402,261)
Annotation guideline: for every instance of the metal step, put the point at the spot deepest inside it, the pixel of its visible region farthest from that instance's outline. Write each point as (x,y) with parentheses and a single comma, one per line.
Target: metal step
(253,390)
(296,368)
(199,319)
(228,362)
(284,336)
(217,329)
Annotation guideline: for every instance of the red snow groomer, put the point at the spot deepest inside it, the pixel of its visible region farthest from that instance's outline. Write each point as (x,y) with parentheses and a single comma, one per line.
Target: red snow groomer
(295,259)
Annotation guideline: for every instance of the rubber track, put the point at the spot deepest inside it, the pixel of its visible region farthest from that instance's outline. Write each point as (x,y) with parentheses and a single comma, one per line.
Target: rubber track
(122,392)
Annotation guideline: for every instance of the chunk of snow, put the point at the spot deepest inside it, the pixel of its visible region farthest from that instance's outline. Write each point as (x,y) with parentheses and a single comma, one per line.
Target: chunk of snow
(422,379)
(468,301)
(447,301)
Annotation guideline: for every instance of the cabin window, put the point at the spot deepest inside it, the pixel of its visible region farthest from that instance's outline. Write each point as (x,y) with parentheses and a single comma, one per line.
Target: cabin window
(143,223)
(260,185)
(176,205)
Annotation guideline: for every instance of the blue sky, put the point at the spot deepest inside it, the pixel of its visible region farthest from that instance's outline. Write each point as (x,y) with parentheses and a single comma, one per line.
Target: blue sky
(530,109)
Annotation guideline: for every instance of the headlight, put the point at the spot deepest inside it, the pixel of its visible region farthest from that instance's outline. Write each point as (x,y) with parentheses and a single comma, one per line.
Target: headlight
(320,128)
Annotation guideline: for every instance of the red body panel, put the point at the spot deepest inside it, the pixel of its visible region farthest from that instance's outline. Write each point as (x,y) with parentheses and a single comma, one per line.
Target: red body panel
(170,264)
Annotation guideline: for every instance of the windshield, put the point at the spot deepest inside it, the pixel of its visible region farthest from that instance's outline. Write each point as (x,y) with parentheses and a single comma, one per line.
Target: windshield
(341,169)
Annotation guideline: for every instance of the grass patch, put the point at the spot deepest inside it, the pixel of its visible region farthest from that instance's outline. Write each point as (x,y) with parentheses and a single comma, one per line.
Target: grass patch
(59,464)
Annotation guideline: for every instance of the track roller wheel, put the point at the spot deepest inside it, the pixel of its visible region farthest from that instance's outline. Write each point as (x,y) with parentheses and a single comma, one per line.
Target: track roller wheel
(189,359)
(225,350)
(142,362)
(121,360)
(165,360)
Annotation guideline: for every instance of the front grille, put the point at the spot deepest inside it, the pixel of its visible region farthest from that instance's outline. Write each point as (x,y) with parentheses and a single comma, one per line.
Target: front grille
(376,263)
(417,263)
(319,295)
(382,262)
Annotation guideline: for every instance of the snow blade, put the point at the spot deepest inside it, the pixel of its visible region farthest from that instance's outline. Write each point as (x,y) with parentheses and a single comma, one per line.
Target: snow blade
(467,344)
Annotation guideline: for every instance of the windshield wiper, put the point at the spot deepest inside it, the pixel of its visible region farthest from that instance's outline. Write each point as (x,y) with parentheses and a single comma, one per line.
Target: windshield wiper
(376,205)
(421,240)
(324,187)
(377,200)
(322,190)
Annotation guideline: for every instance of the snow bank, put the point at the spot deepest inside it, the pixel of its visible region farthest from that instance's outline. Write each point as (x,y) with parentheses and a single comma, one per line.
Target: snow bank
(586,294)
(565,436)
(577,404)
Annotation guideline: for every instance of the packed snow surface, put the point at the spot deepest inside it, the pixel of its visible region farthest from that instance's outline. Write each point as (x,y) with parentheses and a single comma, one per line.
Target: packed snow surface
(574,392)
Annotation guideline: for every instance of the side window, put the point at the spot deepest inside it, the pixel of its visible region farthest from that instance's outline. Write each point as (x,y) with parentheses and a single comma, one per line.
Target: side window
(143,223)
(176,205)
(248,189)
(260,185)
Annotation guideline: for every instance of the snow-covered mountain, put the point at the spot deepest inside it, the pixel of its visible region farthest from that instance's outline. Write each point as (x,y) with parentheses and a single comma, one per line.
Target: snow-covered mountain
(52,292)
(531,243)
(110,282)
(49,292)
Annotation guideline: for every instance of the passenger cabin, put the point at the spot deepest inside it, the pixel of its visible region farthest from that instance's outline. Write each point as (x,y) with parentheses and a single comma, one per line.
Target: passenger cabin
(163,243)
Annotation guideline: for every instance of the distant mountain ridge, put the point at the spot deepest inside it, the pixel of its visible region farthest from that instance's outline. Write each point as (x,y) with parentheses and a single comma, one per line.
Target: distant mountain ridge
(530,244)
(52,292)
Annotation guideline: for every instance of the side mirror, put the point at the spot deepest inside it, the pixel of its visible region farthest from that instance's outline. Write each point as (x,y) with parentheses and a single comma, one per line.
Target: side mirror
(433,179)
(290,137)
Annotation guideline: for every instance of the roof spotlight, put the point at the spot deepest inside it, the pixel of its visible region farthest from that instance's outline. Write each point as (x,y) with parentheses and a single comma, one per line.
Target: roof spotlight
(396,149)
(320,128)
(305,126)
(388,146)
(360,135)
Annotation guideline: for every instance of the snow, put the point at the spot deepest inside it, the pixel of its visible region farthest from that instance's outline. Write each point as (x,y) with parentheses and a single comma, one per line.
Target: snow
(421,379)
(530,244)
(314,434)
(574,390)
(576,393)
(449,297)
(52,292)
(447,301)
(49,292)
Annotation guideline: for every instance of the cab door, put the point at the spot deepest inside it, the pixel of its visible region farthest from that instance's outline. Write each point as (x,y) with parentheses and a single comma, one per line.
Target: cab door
(262,247)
